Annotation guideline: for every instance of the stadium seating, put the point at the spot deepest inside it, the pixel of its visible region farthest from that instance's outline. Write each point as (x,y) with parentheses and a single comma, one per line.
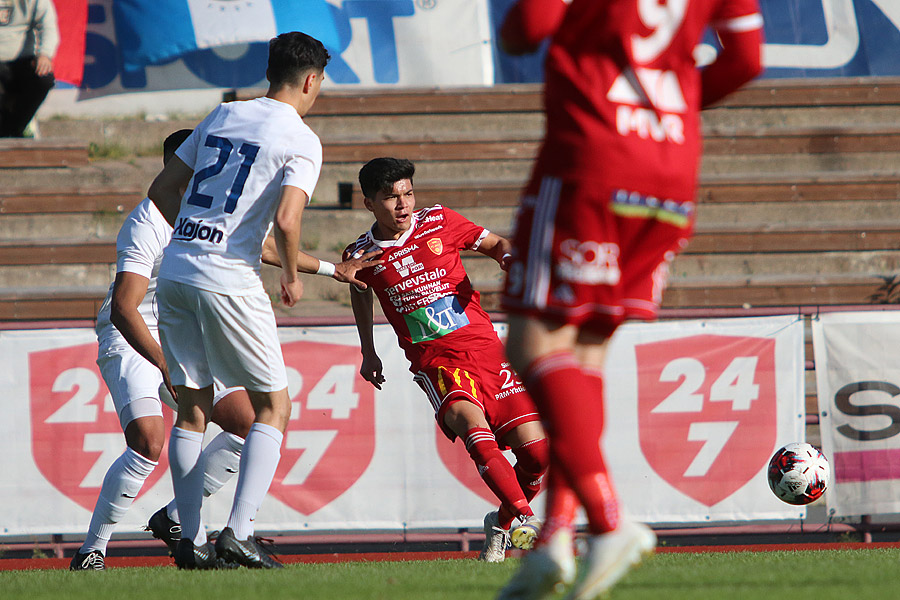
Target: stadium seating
(799,190)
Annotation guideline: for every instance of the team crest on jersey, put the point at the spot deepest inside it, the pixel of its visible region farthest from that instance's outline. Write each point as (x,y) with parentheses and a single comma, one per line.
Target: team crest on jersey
(75,430)
(330,437)
(436,245)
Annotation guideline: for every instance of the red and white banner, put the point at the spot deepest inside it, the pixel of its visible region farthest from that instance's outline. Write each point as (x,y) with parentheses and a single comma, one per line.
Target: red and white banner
(858,385)
(694,410)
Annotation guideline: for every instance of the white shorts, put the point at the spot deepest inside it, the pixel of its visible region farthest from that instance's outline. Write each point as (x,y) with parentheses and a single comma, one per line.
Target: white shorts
(232,338)
(130,379)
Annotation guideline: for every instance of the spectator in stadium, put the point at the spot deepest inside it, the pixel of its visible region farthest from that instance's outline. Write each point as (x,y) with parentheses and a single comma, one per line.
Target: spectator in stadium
(29,38)
(252,164)
(609,204)
(457,358)
(134,368)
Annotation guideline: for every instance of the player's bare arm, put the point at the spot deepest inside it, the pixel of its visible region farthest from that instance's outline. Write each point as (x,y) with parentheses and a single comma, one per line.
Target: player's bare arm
(129,290)
(363,304)
(287,240)
(344,272)
(528,23)
(498,248)
(168,188)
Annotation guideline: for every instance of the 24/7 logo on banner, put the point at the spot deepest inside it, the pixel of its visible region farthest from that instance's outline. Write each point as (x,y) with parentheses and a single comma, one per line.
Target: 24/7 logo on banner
(330,438)
(706,411)
(75,431)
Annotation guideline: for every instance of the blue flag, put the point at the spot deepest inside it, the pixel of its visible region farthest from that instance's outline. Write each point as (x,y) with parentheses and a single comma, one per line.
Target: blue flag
(156,31)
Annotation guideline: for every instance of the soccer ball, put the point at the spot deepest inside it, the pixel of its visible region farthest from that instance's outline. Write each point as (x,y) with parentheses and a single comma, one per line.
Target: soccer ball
(798,473)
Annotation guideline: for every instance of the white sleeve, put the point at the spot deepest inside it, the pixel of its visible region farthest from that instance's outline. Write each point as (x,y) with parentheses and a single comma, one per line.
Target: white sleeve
(303,166)
(138,245)
(187,151)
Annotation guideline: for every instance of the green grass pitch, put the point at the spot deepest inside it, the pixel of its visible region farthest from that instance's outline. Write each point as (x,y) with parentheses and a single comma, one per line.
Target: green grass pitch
(820,575)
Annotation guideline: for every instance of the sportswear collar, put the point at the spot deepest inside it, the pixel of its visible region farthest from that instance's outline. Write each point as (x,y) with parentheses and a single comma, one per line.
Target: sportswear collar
(414,219)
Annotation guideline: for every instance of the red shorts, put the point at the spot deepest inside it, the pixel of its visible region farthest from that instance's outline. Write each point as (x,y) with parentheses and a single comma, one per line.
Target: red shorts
(483,377)
(592,256)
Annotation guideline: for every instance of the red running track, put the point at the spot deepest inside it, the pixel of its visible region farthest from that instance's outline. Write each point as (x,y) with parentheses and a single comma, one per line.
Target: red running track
(18,564)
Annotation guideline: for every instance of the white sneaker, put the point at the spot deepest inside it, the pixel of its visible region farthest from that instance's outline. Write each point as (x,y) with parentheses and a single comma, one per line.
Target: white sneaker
(543,572)
(610,556)
(496,539)
(524,536)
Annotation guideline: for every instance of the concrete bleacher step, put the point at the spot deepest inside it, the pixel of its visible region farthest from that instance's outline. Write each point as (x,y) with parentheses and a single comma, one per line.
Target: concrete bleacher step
(54,153)
(799,189)
(48,200)
(134,172)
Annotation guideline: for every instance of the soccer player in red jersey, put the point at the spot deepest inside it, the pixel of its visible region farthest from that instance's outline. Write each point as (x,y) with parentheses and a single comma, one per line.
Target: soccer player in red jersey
(455,355)
(609,204)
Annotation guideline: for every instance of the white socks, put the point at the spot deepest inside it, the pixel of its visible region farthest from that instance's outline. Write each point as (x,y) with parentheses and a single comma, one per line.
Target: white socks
(262,451)
(121,485)
(187,465)
(223,459)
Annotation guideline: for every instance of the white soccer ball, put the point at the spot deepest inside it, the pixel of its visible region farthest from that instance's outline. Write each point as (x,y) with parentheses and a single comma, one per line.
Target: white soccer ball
(799,473)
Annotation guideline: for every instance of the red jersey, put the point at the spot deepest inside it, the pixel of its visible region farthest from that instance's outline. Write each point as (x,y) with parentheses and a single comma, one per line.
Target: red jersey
(622,92)
(423,287)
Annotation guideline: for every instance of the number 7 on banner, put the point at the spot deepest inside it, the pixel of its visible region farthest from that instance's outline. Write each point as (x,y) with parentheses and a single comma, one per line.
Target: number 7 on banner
(706,411)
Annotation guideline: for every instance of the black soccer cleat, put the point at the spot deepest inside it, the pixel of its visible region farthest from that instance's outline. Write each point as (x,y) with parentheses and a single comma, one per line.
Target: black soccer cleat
(165,529)
(190,557)
(92,561)
(248,553)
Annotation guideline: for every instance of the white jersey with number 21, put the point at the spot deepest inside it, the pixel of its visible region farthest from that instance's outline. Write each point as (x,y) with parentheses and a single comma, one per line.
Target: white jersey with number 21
(241,155)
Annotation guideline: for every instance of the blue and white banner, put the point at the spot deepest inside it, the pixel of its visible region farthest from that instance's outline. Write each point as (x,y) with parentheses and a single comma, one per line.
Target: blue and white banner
(831,38)
(804,38)
(153,32)
(143,45)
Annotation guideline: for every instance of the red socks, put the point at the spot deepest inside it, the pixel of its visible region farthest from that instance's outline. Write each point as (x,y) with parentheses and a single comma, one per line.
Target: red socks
(570,401)
(498,474)
(561,506)
(532,459)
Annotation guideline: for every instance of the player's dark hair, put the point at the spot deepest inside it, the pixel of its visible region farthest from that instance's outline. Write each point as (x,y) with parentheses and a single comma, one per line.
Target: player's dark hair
(292,55)
(380,174)
(172,142)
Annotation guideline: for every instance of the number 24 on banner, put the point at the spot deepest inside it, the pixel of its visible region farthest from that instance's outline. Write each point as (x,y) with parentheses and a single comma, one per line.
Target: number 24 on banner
(706,411)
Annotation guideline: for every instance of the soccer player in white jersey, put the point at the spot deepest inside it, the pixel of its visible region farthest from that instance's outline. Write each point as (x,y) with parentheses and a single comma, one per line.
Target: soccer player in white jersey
(130,358)
(134,368)
(246,165)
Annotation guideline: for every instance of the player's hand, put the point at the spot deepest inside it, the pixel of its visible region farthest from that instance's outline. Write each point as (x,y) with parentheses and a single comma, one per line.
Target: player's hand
(371,370)
(505,261)
(43,66)
(164,369)
(345,272)
(290,290)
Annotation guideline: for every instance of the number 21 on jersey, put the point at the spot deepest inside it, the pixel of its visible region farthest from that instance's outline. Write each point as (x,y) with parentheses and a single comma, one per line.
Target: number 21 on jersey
(225,148)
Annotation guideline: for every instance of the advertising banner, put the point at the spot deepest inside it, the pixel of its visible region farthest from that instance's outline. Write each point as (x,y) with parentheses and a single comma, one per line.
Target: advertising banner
(694,410)
(858,384)
(389,43)
(804,38)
